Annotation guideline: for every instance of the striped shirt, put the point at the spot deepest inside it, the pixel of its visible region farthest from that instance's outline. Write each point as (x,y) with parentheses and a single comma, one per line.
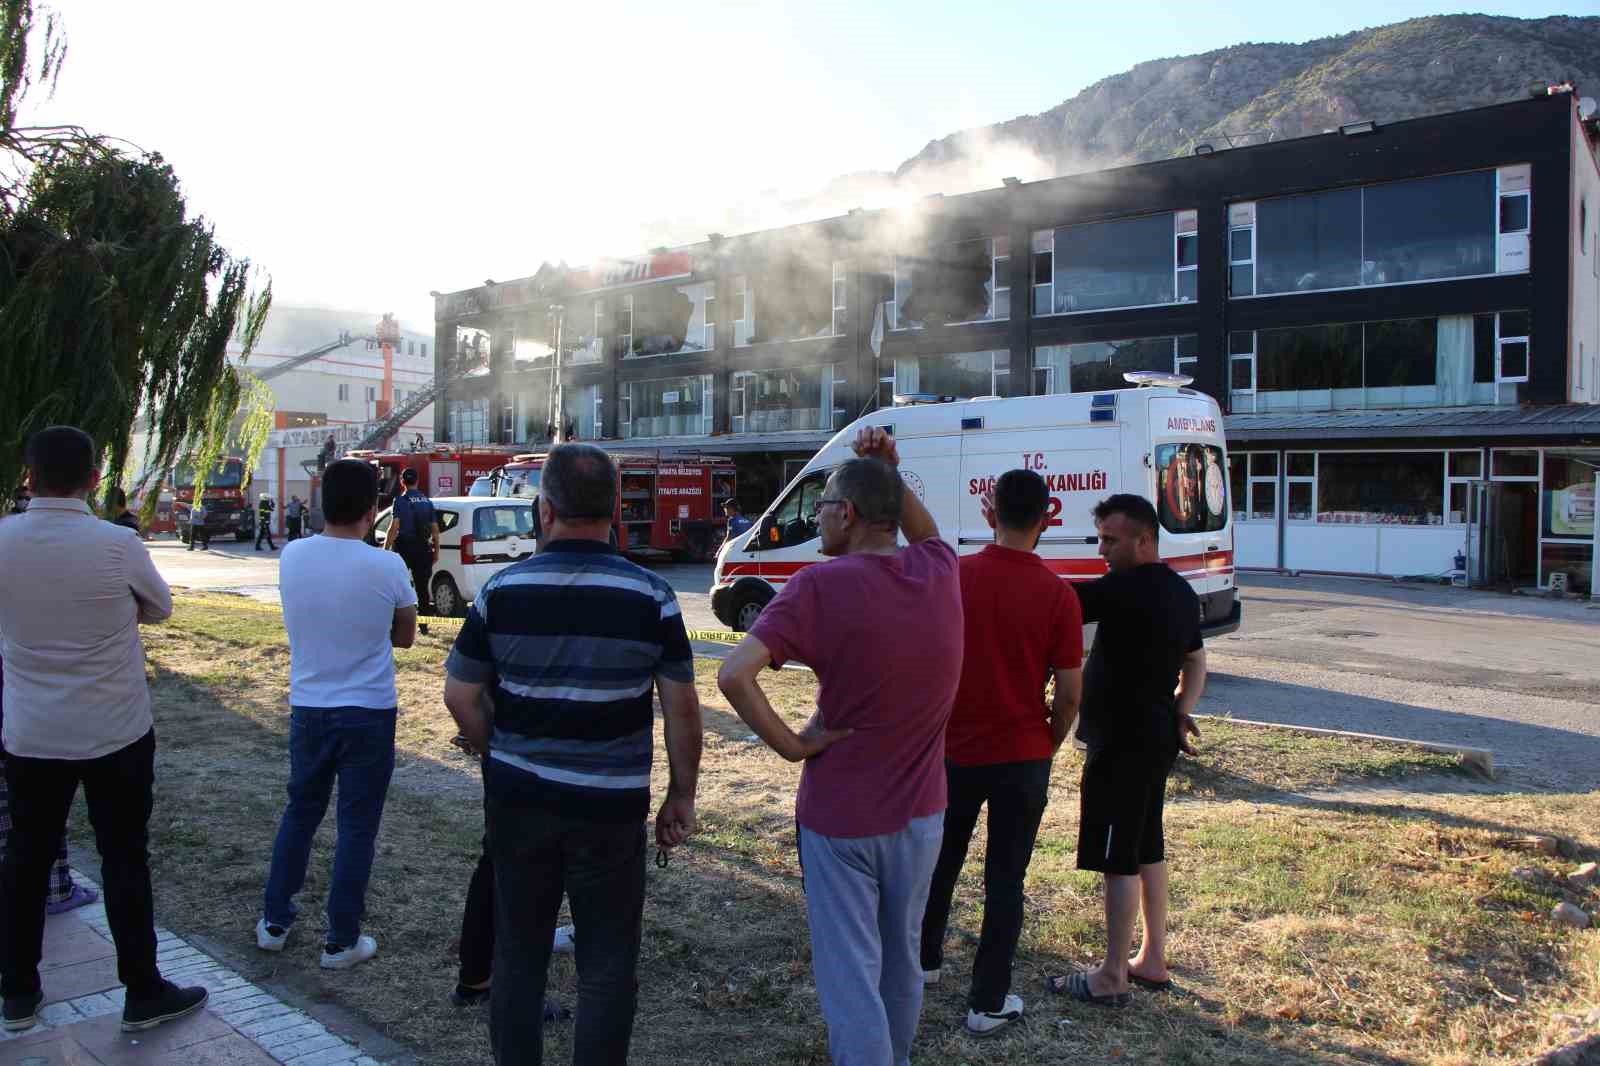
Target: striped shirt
(570,642)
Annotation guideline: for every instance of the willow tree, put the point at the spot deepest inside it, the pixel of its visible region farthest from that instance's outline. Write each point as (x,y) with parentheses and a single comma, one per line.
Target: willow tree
(115,305)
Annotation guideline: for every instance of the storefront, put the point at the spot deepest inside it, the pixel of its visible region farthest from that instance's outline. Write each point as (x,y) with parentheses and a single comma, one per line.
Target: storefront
(1517,512)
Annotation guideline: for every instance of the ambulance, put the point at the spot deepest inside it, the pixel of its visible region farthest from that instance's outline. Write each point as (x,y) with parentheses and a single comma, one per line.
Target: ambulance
(1160,440)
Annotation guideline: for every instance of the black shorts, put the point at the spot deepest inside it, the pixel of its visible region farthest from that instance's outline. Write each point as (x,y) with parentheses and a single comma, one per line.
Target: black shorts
(1121,803)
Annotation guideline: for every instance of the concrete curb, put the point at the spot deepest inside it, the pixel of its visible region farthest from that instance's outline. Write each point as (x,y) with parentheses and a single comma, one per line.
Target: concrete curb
(1479,759)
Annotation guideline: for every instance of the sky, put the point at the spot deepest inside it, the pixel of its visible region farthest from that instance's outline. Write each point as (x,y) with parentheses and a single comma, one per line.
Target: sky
(363,154)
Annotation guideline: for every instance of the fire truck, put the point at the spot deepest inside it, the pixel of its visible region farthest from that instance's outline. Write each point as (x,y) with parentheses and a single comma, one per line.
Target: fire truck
(229,508)
(442,469)
(667,504)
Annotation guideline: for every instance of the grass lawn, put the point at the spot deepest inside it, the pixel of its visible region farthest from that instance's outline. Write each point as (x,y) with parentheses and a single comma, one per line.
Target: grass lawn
(1303,931)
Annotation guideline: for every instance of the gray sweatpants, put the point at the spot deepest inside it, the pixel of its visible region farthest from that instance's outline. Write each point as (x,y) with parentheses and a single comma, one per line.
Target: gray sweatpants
(864,899)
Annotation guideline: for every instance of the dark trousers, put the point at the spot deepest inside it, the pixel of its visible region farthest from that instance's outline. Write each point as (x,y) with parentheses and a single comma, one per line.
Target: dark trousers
(477,923)
(354,746)
(600,865)
(294,529)
(1016,793)
(418,557)
(119,791)
(264,529)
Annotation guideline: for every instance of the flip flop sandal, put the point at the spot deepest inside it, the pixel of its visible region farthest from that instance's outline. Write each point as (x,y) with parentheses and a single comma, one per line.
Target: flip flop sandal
(1149,985)
(1076,986)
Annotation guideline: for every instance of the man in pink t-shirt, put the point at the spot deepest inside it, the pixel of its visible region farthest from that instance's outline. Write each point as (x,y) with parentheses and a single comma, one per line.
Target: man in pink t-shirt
(882,628)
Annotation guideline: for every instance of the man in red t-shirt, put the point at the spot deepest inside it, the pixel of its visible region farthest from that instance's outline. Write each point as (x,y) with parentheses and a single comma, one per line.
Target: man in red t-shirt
(1023,626)
(881,627)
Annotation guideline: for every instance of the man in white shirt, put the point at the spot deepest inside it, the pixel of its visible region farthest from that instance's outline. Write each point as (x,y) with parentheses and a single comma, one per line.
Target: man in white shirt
(73,590)
(345,605)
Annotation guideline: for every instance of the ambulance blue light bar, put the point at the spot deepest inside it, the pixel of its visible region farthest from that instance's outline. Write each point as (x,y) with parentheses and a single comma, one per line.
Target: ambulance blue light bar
(1103,407)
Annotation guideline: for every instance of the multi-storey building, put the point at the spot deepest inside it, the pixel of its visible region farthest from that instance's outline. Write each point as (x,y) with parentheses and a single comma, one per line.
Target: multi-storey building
(1401,320)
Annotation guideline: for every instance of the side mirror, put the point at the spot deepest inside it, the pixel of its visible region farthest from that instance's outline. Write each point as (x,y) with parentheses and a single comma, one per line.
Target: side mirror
(769,536)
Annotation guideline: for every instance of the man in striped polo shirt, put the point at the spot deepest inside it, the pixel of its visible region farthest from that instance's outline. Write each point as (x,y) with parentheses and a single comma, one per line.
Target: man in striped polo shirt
(552,676)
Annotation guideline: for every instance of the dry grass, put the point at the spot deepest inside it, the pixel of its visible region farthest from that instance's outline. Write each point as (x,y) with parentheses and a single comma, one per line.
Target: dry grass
(1303,931)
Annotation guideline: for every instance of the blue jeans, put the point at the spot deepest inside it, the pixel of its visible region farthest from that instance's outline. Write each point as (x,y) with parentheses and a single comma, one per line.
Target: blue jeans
(354,745)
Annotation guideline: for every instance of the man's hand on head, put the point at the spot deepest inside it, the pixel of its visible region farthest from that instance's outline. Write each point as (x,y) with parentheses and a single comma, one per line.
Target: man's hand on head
(986,502)
(874,442)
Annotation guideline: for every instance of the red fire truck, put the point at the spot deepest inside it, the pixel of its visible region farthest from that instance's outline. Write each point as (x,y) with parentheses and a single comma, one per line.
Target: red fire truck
(229,508)
(666,504)
(442,469)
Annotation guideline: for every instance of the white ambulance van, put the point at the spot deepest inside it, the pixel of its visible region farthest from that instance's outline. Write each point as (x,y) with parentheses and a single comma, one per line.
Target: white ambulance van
(1160,440)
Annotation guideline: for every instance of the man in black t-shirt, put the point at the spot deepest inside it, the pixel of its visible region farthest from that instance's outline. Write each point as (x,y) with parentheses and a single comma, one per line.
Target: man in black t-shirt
(1141,683)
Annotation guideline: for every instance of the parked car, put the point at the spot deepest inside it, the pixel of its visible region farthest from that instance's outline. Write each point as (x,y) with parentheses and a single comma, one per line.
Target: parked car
(478,537)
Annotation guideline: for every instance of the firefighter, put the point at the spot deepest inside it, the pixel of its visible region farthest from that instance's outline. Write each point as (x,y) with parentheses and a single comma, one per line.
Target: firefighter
(264,511)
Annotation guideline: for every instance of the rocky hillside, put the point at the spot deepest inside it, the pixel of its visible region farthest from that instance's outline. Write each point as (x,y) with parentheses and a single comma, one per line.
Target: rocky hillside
(1252,92)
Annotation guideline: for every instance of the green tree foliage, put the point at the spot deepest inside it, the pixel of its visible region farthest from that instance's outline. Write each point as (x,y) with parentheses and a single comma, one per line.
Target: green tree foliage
(115,305)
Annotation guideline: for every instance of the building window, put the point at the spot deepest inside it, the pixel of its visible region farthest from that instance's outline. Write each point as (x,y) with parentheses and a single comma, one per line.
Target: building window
(775,401)
(581,404)
(622,327)
(963,375)
(1463,468)
(744,319)
(1131,262)
(372,394)
(669,320)
(424,348)
(1406,231)
(954,284)
(1096,366)
(1242,250)
(1300,486)
(344,393)
(670,407)
(1186,252)
(468,421)
(1242,371)
(839,301)
(1511,347)
(1381,488)
(1308,359)
(1044,272)
(886,390)
(1253,484)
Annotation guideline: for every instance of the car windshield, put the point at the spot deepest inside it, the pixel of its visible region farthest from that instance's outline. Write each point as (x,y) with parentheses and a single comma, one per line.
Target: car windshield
(519,483)
(228,474)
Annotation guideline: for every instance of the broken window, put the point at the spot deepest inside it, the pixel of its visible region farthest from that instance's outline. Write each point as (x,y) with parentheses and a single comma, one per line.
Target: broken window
(951,284)
(671,319)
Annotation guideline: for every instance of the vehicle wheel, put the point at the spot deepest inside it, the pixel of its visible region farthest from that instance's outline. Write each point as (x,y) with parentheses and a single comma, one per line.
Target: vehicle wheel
(446,597)
(747,608)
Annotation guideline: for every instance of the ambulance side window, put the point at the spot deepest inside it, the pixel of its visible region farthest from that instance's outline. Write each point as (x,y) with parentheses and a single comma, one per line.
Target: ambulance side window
(1191,488)
(796,515)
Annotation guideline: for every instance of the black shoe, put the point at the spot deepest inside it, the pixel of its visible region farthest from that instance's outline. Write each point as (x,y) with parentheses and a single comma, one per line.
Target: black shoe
(467,996)
(422,627)
(22,1012)
(169,1005)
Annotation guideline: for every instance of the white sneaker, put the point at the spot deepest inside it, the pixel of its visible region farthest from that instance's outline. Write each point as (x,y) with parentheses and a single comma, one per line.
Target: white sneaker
(364,949)
(267,940)
(931,977)
(563,944)
(984,1023)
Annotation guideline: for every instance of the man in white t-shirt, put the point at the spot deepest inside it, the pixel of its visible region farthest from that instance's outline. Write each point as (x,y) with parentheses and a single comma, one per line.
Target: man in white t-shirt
(345,605)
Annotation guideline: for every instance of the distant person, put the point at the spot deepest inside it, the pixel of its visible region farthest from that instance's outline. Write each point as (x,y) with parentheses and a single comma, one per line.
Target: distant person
(121,516)
(1146,671)
(881,627)
(199,532)
(414,535)
(294,515)
(346,605)
(330,449)
(73,591)
(552,676)
(1023,627)
(737,522)
(264,511)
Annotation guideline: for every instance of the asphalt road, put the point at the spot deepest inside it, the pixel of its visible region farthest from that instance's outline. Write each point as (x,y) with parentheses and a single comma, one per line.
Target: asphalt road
(1516,675)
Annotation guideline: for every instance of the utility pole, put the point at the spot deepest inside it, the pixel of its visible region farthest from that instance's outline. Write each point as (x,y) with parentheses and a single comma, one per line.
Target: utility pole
(559,313)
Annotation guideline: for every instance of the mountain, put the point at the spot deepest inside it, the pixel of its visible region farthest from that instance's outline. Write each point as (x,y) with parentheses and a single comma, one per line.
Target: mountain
(1250,93)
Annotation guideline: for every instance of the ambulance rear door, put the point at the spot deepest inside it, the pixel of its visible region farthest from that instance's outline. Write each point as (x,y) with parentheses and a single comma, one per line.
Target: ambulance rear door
(1188,483)
(1060,439)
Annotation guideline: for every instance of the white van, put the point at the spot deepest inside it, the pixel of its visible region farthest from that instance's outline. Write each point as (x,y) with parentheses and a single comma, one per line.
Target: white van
(1163,442)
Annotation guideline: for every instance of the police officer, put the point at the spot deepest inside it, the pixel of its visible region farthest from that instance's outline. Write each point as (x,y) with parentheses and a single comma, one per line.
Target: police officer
(198,533)
(414,533)
(294,514)
(264,511)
